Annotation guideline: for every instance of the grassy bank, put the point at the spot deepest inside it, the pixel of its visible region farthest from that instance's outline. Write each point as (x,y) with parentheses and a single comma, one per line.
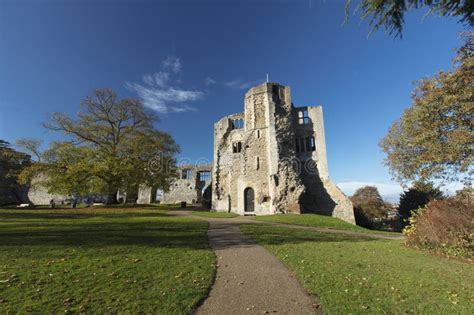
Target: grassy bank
(102,261)
(315,220)
(360,275)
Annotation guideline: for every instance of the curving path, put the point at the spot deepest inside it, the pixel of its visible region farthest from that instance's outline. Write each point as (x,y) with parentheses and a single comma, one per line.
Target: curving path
(249,280)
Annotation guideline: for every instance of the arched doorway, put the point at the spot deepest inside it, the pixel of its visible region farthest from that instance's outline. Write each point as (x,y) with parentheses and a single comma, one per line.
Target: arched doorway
(249,200)
(207,197)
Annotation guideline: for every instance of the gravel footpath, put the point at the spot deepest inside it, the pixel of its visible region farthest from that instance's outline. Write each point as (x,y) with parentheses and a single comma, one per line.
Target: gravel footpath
(249,279)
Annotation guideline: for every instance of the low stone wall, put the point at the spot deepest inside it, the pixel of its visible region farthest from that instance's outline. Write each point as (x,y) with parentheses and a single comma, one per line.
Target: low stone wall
(39,195)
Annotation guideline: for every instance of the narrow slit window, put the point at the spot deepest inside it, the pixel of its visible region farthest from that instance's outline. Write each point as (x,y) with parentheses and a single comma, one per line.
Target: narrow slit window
(258,134)
(257,166)
(312,143)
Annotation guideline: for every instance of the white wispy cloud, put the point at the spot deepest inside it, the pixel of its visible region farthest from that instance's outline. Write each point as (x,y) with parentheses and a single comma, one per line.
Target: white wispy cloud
(172,63)
(236,84)
(159,91)
(209,81)
(160,99)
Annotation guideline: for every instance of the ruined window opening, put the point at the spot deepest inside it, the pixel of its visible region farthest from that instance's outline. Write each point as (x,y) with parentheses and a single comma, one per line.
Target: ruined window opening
(312,143)
(187,174)
(257,166)
(277,92)
(237,147)
(204,176)
(305,144)
(237,124)
(303,117)
(302,144)
(275,89)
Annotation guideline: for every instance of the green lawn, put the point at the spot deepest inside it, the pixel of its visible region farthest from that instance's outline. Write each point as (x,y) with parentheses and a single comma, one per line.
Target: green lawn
(315,220)
(102,261)
(360,275)
(155,206)
(209,214)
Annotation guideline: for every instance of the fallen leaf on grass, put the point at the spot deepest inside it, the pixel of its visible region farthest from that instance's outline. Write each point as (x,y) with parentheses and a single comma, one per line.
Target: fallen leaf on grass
(68,300)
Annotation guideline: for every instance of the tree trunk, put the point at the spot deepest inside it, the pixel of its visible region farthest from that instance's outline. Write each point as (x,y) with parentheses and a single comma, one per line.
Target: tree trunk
(112,198)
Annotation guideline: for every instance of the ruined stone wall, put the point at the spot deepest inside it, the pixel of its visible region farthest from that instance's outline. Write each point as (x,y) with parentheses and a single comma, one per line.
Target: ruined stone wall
(145,195)
(322,195)
(262,164)
(254,156)
(39,195)
(225,168)
(287,185)
(284,181)
(189,190)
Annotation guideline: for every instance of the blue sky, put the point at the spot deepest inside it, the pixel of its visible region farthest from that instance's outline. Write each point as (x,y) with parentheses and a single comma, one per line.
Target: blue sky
(193,61)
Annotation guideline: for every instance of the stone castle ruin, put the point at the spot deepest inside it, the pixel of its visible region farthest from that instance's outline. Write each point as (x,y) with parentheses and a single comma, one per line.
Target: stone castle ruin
(192,185)
(271,159)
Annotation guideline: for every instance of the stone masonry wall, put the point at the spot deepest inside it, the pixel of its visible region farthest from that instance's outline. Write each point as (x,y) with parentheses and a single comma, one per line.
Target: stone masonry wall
(283,180)
(189,190)
(39,195)
(288,187)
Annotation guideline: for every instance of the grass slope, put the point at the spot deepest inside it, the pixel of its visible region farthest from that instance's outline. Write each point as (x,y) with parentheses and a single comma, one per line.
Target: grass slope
(102,261)
(360,275)
(221,215)
(153,206)
(315,220)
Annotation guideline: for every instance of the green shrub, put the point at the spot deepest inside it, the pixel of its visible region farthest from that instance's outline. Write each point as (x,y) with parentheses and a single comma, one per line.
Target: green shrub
(443,226)
(370,211)
(417,196)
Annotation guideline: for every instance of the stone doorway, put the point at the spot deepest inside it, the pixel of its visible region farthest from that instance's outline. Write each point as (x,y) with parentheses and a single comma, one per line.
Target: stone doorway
(249,200)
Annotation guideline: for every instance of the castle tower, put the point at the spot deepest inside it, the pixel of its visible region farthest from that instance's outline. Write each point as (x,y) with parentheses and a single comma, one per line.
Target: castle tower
(272,159)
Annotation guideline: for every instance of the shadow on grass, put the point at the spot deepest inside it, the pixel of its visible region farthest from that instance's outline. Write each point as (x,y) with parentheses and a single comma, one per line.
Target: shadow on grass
(267,235)
(75,215)
(227,235)
(170,233)
(82,206)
